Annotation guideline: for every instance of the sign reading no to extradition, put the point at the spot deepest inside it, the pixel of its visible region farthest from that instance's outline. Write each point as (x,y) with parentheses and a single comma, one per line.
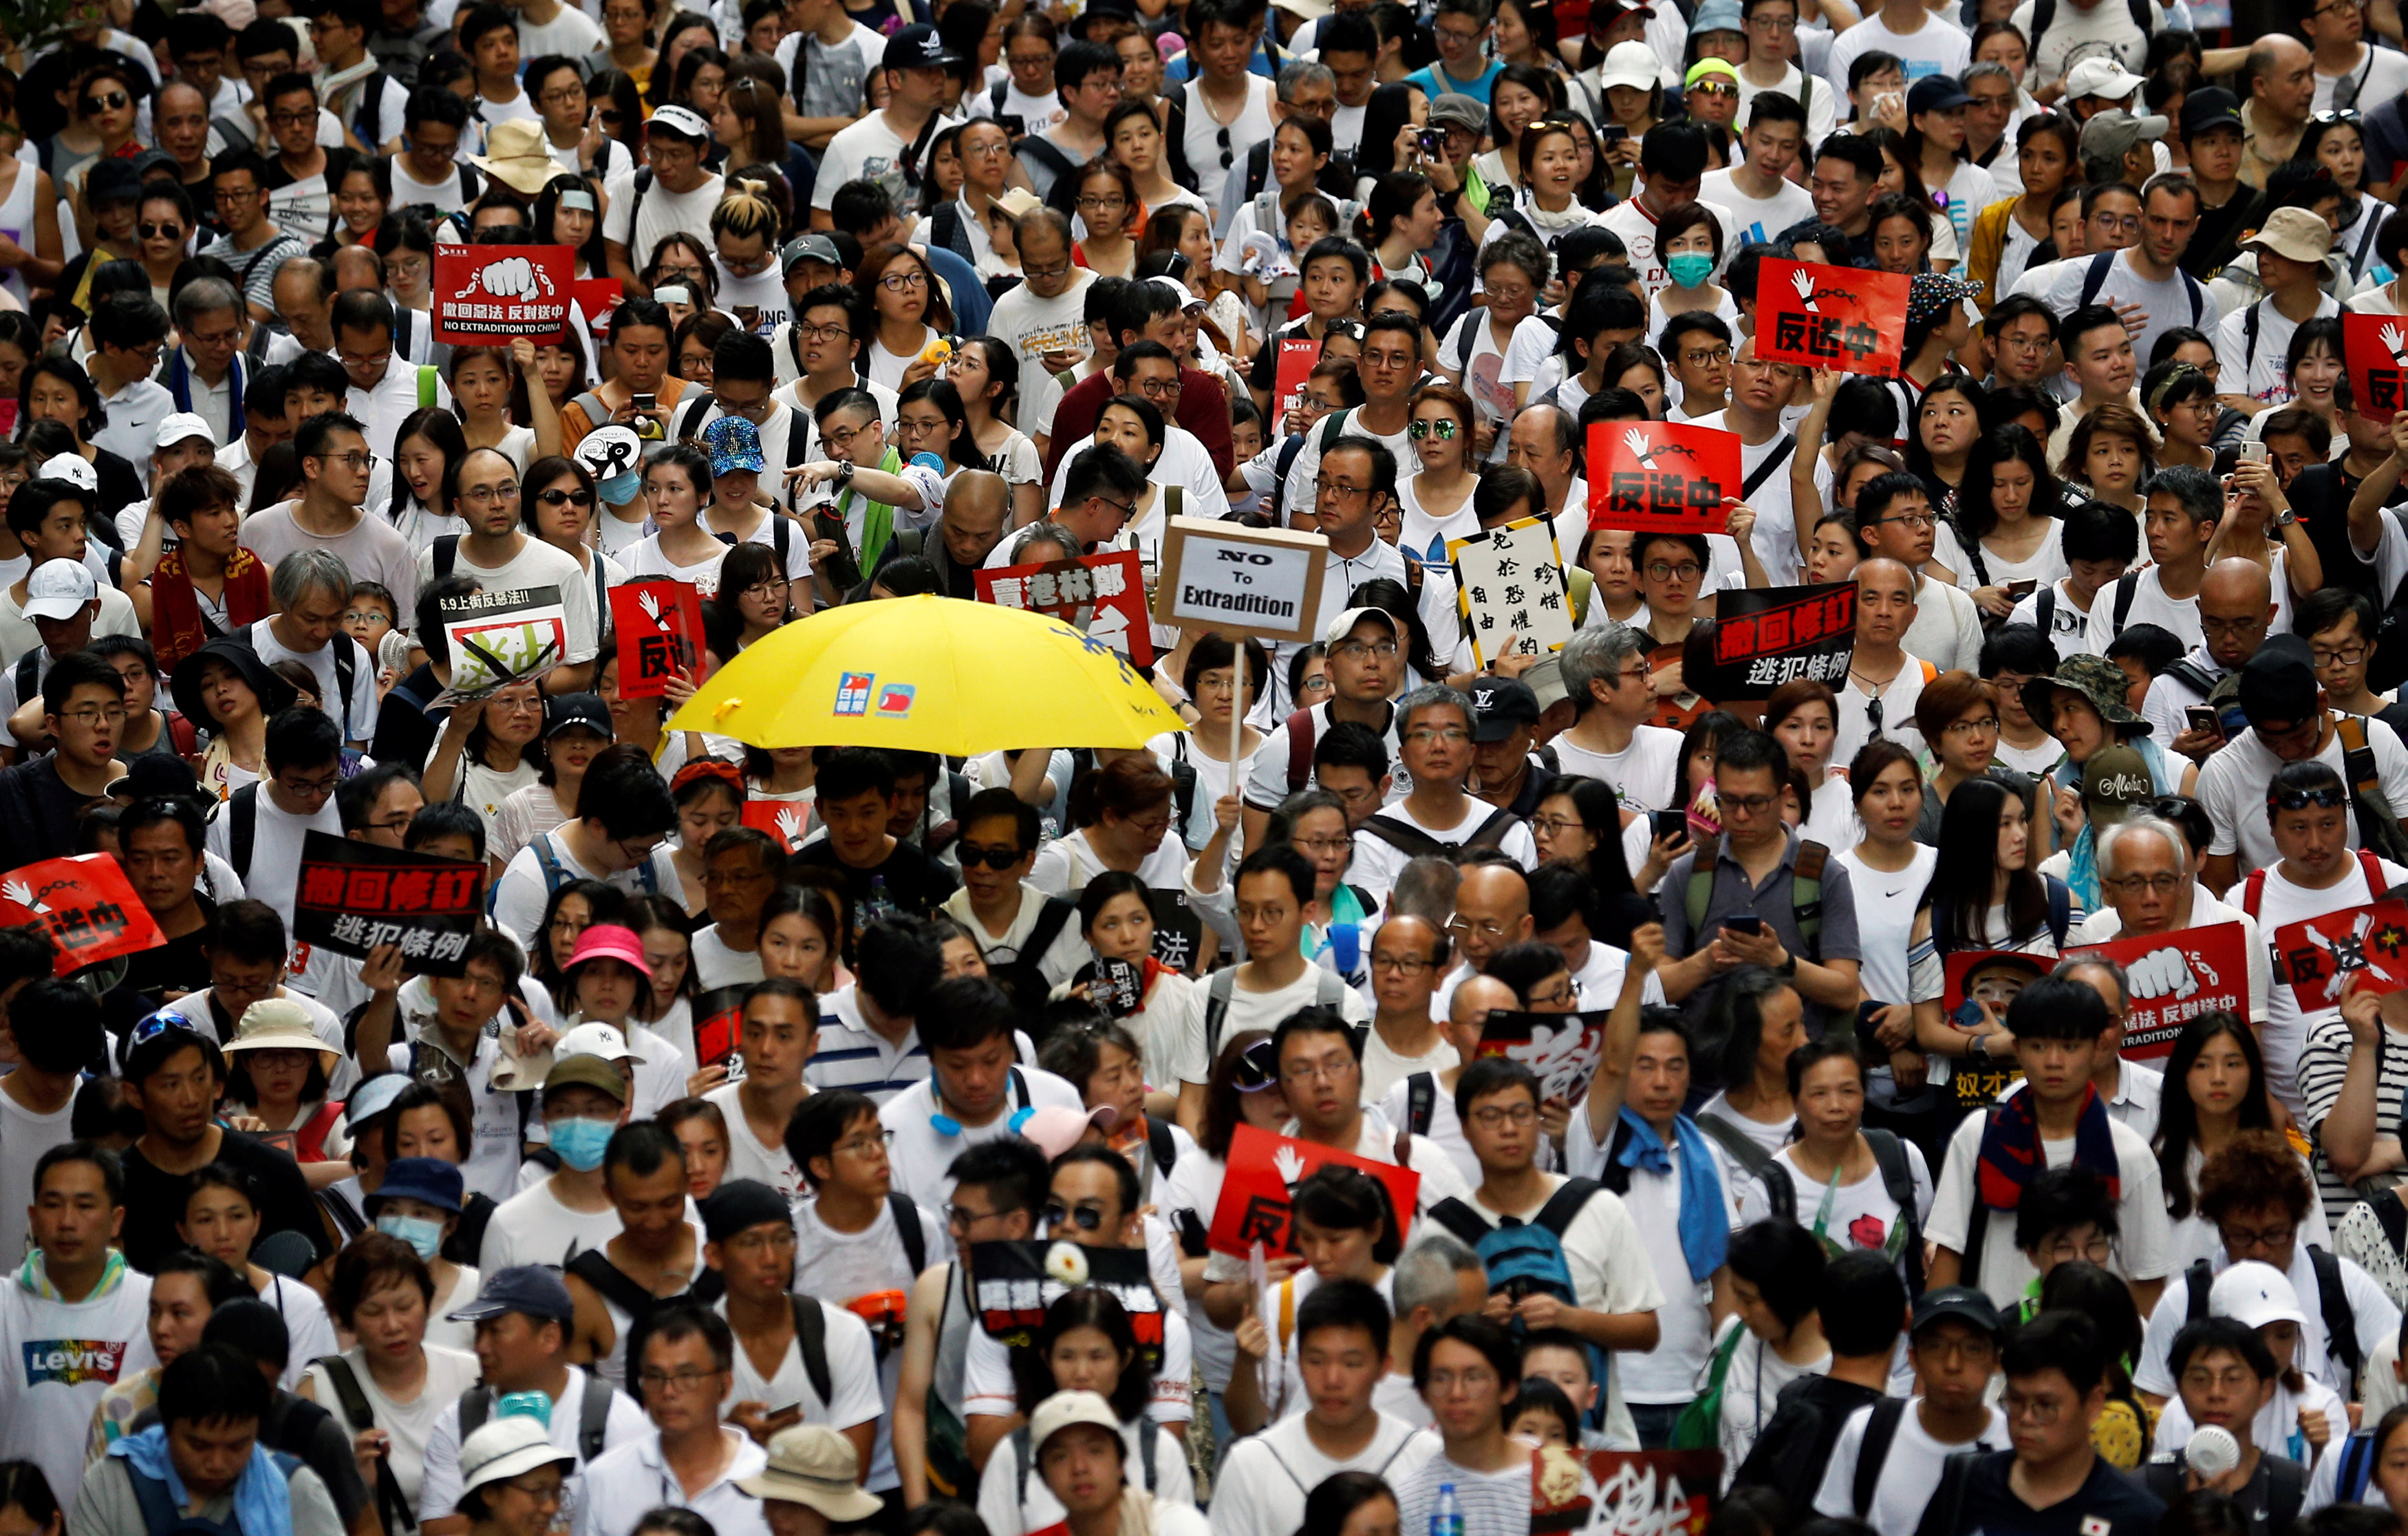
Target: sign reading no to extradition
(1240,581)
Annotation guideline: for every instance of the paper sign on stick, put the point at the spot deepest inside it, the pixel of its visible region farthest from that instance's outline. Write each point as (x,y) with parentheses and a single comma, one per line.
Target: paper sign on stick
(2320,955)
(1508,582)
(1100,594)
(494,294)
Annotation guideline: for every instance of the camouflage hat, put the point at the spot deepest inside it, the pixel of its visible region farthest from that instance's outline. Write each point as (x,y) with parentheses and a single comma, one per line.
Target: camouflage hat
(2099,680)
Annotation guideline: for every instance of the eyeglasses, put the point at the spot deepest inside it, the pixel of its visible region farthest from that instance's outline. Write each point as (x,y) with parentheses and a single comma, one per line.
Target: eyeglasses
(1490,1116)
(1556,827)
(291,120)
(864,1146)
(237,194)
(1663,570)
(661,1381)
(901,282)
(306,788)
(96,716)
(1357,650)
(1322,486)
(809,332)
(548,1492)
(1403,964)
(1158,388)
(1086,1218)
(2136,885)
(961,1218)
(1750,805)
(1107,200)
(1442,430)
(1714,88)
(2236,629)
(1986,725)
(2270,1237)
(1453,735)
(1046,274)
(491,495)
(565,499)
(1324,847)
(2346,656)
(1916,522)
(1486,928)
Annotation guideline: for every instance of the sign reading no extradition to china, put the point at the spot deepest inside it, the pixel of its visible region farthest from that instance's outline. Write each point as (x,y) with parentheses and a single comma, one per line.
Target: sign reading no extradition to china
(488,295)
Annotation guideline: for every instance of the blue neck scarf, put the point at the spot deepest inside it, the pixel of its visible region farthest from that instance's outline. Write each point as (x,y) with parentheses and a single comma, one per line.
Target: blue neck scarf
(263,1505)
(179,385)
(1705,1231)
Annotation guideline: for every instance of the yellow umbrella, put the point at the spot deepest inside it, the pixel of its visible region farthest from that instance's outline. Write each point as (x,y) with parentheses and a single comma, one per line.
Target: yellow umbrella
(929,674)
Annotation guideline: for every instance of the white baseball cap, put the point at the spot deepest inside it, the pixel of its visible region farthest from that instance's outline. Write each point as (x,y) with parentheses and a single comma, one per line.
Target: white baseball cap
(606,1041)
(683,120)
(2255,1294)
(1187,299)
(59,589)
(174,429)
(2103,78)
(72,468)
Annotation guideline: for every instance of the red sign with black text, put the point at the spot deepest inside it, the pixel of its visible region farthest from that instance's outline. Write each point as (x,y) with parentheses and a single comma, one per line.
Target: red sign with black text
(86,903)
(2319,955)
(493,294)
(1661,477)
(2377,349)
(1264,1167)
(1831,317)
(659,625)
(2175,977)
(1098,594)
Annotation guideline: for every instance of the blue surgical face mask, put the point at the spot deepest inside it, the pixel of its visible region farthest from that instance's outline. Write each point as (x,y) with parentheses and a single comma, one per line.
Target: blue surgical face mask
(1690,267)
(619,490)
(580,1142)
(424,1235)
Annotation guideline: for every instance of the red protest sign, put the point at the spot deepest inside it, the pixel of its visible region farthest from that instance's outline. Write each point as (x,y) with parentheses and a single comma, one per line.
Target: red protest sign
(2175,977)
(659,625)
(1660,476)
(1831,317)
(2319,955)
(1097,594)
(597,297)
(1563,1049)
(719,1029)
(487,295)
(787,821)
(1296,356)
(2377,348)
(1263,1167)
(1996,977)
(1661,1493)
(86,903)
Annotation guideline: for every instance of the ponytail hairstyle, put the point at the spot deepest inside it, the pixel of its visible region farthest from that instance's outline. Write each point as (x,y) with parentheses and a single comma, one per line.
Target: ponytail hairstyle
(1127,787)
(1394,197)
(745,209)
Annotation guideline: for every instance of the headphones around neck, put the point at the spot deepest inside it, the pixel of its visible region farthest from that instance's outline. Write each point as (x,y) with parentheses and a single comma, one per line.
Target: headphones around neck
(945,1125)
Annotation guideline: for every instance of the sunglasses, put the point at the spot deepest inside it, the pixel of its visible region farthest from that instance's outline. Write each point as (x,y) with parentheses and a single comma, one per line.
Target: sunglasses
(565,499)
(1086,1218)
(160,232)
(994,858)
(1418,430)
(2300,799)
(116,101)
(158,1025)
(1257,1068)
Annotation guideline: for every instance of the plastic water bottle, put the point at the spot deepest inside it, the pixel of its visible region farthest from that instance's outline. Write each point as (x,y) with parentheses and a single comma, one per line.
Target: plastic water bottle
(1447,1519)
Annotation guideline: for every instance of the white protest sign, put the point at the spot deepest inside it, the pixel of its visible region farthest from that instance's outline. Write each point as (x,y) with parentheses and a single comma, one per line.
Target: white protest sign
(500,637)
(1508,582)
(1239,581)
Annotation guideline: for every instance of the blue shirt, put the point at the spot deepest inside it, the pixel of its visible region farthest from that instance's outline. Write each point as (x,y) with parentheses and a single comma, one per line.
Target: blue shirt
(1433,86)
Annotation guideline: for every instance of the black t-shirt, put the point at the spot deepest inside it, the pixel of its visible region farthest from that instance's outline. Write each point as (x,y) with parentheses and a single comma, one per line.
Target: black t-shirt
(2217,238)
(910,879)
(37,813)
(175,966)
(2320,494)
(2108,1503)
(154,1200)
(1795,1444)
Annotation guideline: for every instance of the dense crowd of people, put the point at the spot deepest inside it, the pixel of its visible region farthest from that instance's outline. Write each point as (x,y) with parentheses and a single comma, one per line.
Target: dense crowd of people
(701,1189)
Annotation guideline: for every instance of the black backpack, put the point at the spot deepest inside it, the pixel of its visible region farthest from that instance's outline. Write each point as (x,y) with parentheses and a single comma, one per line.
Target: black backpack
(2333,1306)
(593,1417)
(392,1506)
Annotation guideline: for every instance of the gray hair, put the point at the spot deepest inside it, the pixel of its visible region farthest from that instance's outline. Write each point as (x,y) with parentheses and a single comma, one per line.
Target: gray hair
(1986,70)
(2198,492)
(1038,535)
(1597,655)
(2099,962)
(204,296)
(1432,696)
(1425,1271)
(2110,841)
(1426,889)
(1299,73)
(298,573)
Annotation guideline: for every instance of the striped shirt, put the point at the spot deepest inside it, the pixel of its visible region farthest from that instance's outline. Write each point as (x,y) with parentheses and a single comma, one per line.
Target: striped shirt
(852,1054)
(1493,1504)
(2324,1061)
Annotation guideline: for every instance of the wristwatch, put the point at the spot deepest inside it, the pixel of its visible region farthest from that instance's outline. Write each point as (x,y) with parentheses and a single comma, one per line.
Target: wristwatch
(844,474)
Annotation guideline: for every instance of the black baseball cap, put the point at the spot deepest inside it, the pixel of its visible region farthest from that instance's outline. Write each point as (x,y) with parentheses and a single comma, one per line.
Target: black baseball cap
(1968,1304)
(2278,685)
(1500,705)
(2207,107)
(110,181)
(1935,93)
(918,46)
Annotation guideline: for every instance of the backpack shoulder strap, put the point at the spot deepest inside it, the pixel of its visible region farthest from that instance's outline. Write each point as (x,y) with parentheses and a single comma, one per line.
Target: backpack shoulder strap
(811,1338)
(2044,606)
(1052,917)
(29,674)
(1757,1163)
(2249,321)
(907,1227)
(2095,277)
(594,1418)
(2197,1282)
(2060,910)
(2126,585)
(1411,841)
(2253,892)
(1421,1099)
(1159,1144)
(1300,749)
(242,832)
(1462,1220)
(1898,1182)
(160,1514)
(346,1383)
(1772,461)
(1564,1206)
(1806,889)
(2340,1318)
(2287,1490)
(1873,1452)
(1218,995)
(1022,1456)
(476,1407)
(445,555)
(594,1267)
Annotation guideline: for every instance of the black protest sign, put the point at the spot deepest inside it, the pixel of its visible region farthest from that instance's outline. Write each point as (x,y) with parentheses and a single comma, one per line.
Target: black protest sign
(353,896)
(1018,1280)
(1764,637)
